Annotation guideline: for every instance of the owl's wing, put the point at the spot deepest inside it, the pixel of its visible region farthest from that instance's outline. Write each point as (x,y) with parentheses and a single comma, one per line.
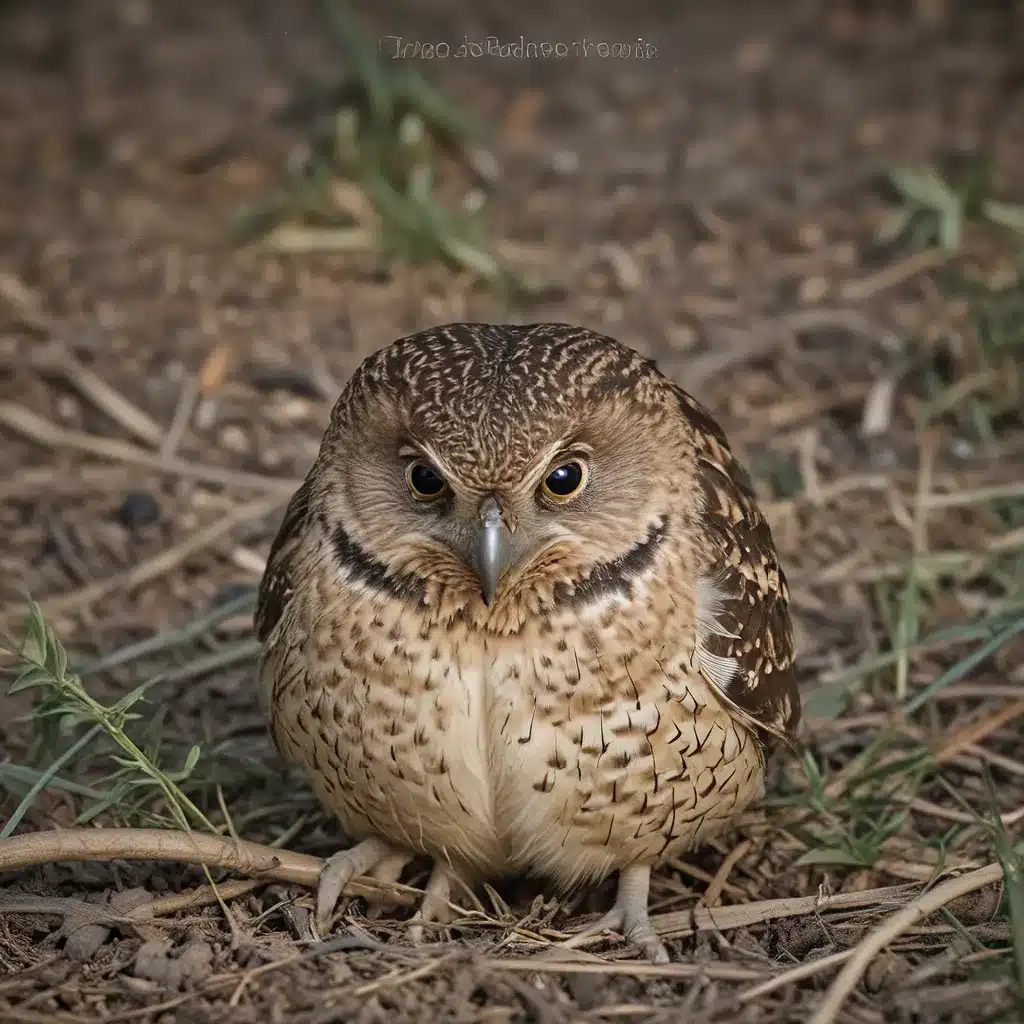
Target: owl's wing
(744,633)
(276,665)
(277,586)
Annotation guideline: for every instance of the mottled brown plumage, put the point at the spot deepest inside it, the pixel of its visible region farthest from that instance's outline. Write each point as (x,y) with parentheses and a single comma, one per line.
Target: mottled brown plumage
(606,709)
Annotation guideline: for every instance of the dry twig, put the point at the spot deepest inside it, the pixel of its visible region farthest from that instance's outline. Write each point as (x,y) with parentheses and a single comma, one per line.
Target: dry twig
(104,844)
(918,909)
(159,564)
(896,273)
(35,428)
(126,414)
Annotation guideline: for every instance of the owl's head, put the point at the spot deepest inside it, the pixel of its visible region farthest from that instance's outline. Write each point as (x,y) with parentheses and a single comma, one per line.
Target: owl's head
(492,465)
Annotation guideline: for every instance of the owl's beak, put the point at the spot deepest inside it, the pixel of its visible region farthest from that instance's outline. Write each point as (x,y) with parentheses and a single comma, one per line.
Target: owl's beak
(492,553)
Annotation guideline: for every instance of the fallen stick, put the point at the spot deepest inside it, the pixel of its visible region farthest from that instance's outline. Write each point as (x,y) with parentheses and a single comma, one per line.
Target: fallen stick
(254,859)
(890,929)
(34,428)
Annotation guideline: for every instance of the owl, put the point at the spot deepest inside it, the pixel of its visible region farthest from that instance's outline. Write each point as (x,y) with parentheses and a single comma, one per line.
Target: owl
(524,616)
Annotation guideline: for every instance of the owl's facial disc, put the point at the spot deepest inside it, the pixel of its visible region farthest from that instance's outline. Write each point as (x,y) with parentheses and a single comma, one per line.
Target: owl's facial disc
(483,529)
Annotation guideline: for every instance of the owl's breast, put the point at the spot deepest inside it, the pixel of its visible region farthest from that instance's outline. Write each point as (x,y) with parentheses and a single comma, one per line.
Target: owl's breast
(389,719)
(608,747)
(572,748)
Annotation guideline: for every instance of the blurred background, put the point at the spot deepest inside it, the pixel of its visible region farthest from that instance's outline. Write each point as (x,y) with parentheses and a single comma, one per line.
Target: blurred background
(810,212)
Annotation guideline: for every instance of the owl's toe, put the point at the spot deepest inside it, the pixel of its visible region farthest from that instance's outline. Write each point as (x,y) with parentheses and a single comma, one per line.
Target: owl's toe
(629,916)
(388,871)
(435,908)
(341,868)
(638,929)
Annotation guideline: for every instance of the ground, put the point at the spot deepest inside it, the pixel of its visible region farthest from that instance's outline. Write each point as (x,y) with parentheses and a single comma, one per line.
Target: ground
(721,202)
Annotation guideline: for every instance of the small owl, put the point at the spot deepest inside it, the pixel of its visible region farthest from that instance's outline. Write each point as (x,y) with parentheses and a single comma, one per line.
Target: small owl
(524,617)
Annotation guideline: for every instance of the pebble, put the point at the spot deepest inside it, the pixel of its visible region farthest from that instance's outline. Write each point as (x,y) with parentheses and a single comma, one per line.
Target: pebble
(813,290)
(139,509)
(67,408)
(293,410)
(234,439)
(681,337)
(565,162)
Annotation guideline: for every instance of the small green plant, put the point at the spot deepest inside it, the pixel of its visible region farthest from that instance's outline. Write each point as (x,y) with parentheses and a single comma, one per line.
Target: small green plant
(42,663)
(934,212)
(374,181)
(850,825)
(112,758)
(74,736)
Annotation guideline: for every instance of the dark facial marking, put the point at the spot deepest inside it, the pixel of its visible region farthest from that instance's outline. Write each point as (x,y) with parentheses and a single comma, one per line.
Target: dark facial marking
(616,576)
(365,568)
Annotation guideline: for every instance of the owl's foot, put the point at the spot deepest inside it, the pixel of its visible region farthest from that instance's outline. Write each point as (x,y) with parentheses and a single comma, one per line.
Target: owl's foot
(434,908)
(629,915)
(388,871)
(367,856)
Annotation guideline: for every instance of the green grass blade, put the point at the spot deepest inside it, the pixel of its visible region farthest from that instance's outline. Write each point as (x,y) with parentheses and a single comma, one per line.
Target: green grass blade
(170,638)
(45,778)
(961,668)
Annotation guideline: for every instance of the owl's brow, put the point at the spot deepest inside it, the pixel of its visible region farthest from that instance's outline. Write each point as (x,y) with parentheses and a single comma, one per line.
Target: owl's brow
(560,448)
(557,450)
(415,448)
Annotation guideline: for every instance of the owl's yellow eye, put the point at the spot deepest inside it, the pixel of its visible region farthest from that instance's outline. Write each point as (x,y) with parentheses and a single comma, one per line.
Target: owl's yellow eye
(425,481)
(564,482)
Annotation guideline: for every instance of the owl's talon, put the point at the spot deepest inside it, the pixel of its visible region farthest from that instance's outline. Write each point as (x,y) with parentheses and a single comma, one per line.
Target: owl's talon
(629,916)
(388,871)
(434,909)
(340,869)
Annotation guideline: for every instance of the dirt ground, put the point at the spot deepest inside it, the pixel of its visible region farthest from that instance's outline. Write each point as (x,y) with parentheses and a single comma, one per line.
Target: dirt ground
(719,203)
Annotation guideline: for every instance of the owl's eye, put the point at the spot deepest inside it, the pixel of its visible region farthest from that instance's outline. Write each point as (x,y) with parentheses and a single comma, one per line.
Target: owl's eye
(425,481)
(564,482)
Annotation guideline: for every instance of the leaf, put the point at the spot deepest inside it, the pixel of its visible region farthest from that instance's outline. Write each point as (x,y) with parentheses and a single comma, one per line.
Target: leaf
(111,799)
(191,761)
(30,678)
(827,702)
(122,704)
(20,778)
(35,635)
(1012,862)
(1007,215)
(811,769)
(367,68)
(57,657)
(926,189)
(46,779)
(961,668)
(61,712)
(442,115)
(951,225)
(826,855)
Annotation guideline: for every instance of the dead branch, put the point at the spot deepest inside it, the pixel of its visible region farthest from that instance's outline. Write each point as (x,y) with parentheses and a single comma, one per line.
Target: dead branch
(254,859)
(876,940)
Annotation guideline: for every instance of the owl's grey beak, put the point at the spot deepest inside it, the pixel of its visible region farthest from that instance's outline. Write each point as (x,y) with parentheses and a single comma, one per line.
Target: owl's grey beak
(492,553)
